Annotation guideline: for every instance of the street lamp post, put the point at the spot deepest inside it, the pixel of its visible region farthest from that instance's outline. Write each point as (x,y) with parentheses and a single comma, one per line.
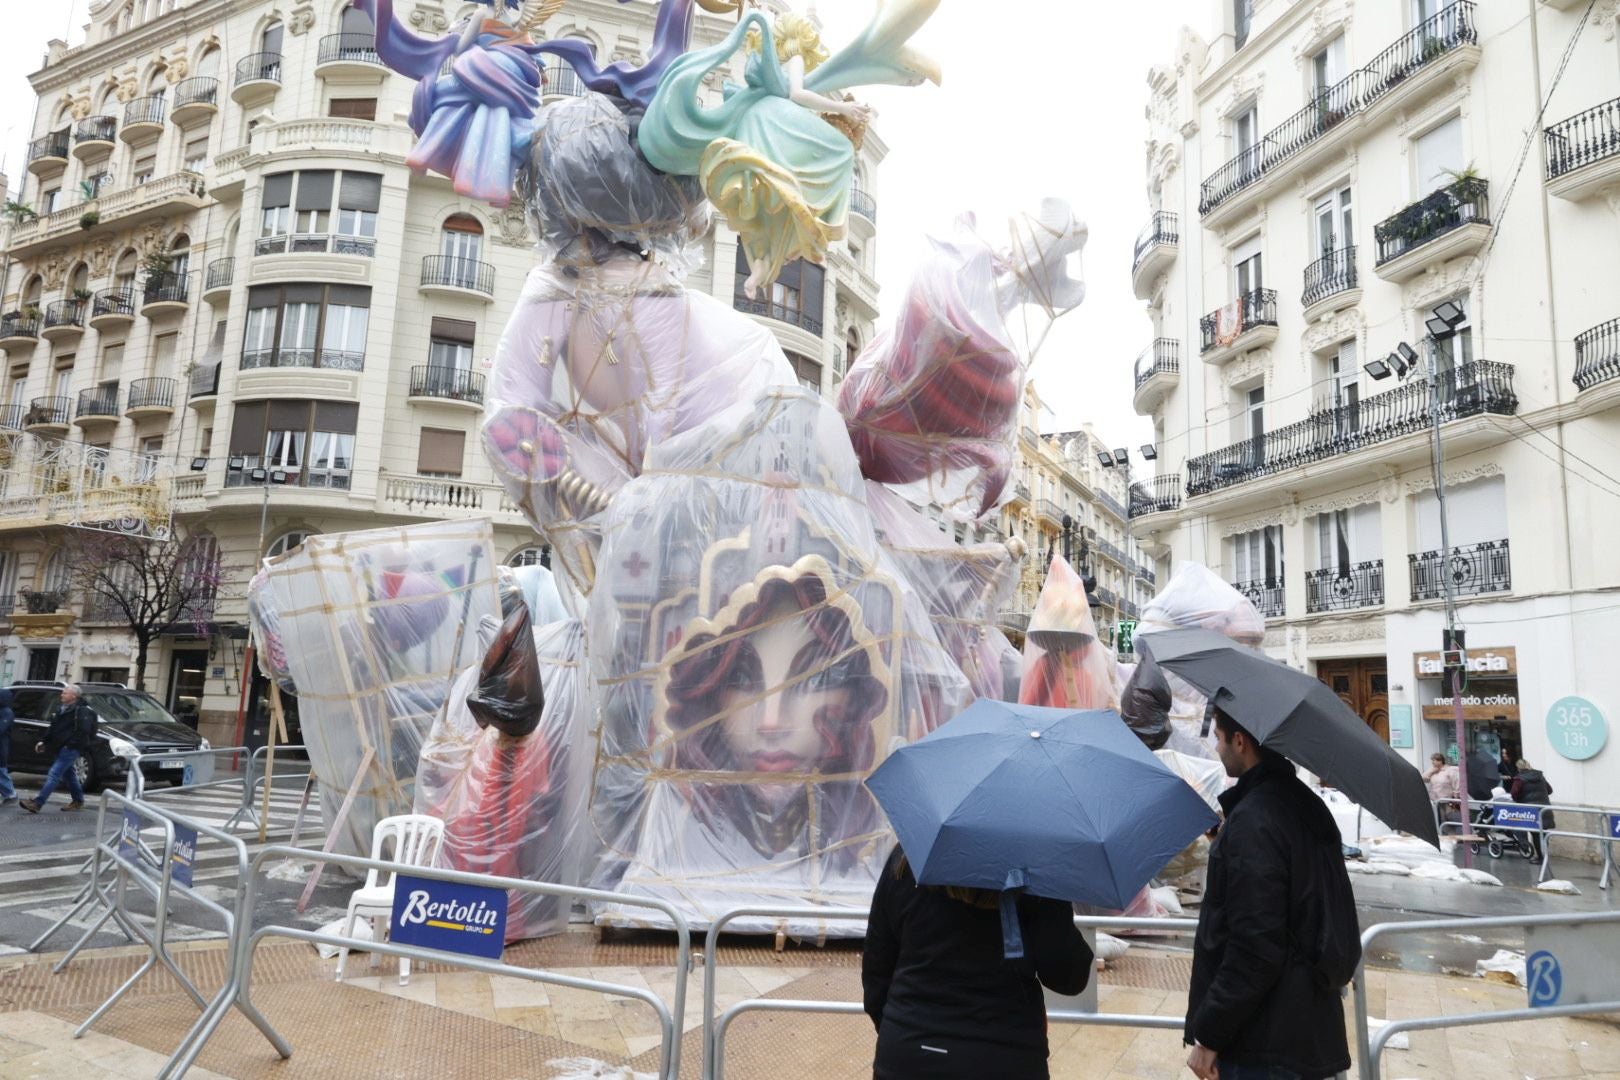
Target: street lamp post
(1441,324)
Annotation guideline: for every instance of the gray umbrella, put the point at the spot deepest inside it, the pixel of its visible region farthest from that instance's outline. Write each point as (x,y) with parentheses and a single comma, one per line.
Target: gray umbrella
(1298,716)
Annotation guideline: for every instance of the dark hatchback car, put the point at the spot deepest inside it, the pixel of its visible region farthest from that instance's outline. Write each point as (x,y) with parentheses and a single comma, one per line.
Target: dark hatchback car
(132,717)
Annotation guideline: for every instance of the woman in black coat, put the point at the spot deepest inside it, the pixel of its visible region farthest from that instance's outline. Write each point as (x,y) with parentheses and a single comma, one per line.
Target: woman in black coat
(944,1000)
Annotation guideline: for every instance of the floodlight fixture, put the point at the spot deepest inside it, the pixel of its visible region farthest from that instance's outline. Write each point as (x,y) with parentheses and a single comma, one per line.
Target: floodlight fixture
(1106,459)
(257,476)
(1378,369)
(1122,456)
(198,464)
(1149,452)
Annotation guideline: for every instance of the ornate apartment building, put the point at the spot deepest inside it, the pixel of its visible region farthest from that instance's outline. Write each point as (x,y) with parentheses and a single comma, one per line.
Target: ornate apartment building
(1336,181)
(234,305)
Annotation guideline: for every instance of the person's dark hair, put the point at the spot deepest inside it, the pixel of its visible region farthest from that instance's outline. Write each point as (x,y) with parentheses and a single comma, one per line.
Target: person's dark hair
(1229,727)
(985,899)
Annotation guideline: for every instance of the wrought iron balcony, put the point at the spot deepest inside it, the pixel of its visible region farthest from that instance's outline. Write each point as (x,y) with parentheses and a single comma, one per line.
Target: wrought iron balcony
(19,326)
(1597,355)
(48,412)
(221,272)
(1465,202)
(1333,273)
(1258,308)
(448,383)
(97,402)
(1345,588)
(1112,504)
(284,357)
(1160,495)
(65,315)
(312,243)
(563,80)
(1475,569)
(49,150)
(113,305)
(1163,357)
(1162,228)
(40,601)
(1049,510)
(1471,390)
(144,110)
(259,67)
(453,272)
(165,288)
(204,381)
(1266,595)
(150,395)
(95,129)
(1584,138)
(779,312)
(11,416)
(348,49)
(863,204)
(1434,38)
(194,94)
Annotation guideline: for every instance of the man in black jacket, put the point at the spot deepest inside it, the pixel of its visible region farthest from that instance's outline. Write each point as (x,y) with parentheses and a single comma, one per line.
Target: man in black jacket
(73,726)
(1258,1006)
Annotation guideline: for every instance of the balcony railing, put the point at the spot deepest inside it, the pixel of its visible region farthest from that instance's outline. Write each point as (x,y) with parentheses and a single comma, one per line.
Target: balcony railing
(458,273)
(1475,388)
(97,401)
(348,48)
(1226,325)
(1106,595)
(449,383)
(778,312)
(11,416)
(1435,37)
(564,80)
(19,324)
(1049,510)
(307,243)
(145,110)
(1266,595)
(177,189)
(1112,504)
(1110,549)
(1345,588)
(1159,495)
(1433,216)
(113,302)
(221,272)
(1333,273)
(327,359)
(1597,355)
(48,410)
(95,129)
(863,204)
(199,91)
(40,601)
(65,313)
(1584,138)
(259,67)
(1162,228)
(1474,569)
(205,381)
(165,288)
(1161,358)
(54,145)
(151,394)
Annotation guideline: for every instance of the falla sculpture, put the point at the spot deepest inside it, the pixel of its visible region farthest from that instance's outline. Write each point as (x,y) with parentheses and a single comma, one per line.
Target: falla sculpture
(752,603)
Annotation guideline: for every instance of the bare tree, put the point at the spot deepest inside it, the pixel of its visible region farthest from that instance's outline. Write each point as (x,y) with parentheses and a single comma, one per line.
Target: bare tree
(150,586)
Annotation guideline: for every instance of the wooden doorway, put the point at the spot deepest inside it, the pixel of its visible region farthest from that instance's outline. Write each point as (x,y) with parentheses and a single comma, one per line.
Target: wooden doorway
(1362,684)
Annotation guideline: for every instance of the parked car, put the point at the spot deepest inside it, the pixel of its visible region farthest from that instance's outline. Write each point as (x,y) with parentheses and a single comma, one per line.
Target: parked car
(132,722)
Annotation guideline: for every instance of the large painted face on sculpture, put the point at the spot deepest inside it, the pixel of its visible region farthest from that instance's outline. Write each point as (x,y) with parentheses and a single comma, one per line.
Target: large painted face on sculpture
(780,692)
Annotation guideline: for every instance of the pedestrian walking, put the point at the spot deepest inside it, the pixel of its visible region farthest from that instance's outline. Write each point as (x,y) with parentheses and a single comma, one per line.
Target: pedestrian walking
(1508,766)
(946,1001)
(8,793)
(1444,784)
(1277,934)
(73,727)
(1532,788)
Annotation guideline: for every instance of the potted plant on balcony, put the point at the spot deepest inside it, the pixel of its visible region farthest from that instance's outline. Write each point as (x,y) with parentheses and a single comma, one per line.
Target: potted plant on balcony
(18,213)
(82,295)
(31,312)
(157,264)
(89,219)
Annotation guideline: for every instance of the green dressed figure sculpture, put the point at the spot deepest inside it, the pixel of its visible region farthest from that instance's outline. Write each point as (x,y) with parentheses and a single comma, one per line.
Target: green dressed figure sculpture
(777,155)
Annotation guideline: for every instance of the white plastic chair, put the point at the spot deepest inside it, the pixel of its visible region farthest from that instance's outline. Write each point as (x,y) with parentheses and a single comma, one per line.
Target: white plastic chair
(417,838)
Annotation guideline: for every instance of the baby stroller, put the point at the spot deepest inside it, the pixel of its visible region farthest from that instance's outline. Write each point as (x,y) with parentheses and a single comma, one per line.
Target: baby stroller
(1497,841)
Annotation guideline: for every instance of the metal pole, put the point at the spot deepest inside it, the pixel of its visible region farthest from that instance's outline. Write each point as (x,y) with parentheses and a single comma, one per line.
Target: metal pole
(1466,839)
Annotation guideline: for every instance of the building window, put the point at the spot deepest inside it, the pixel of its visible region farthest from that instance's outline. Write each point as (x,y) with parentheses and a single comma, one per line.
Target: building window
(310,443)
(285,323)
(151,452)
(461,243)
(1257,557)
(530,556)
(197,154)
(49,201)
(286,542)
(99,183)
(451,343)
(441,452)
(808,371)
(305,223)
(1439,156)
(359,197)
(275,214)
(1242,22)
(353,108)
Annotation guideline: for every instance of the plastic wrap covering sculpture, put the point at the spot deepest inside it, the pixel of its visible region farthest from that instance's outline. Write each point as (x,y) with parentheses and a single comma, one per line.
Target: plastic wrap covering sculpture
(370,627)
(932,402)
(1065,666)
(755,656)
(1195,596)
(513,795)
(963,585)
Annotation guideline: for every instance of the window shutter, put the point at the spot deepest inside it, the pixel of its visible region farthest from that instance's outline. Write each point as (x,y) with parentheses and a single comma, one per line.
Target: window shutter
(289,416)
(349,296)
(337,416)
(353,108)
(315,189)
(812,289)
(278,189)
(247,428)
(360,191)
(441,451)
(460,331)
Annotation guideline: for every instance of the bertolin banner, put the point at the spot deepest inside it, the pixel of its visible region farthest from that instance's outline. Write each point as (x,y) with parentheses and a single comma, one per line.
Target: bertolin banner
(448,916)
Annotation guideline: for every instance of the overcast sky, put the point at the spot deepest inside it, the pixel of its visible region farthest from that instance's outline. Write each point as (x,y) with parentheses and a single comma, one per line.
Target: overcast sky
(1045,102)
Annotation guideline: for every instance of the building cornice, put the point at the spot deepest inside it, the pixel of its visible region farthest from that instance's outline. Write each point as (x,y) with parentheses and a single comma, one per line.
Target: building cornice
(1253,50)
(95,58)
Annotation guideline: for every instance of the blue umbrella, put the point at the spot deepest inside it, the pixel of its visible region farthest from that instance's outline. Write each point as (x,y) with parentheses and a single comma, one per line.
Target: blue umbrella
(1058,803)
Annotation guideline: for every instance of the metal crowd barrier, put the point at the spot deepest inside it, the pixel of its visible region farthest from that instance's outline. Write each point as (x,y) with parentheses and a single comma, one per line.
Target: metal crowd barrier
(714,1028)
(255,777)
(135,781)
(1370,1047)
(1602,814)
(237,990)
(153,872)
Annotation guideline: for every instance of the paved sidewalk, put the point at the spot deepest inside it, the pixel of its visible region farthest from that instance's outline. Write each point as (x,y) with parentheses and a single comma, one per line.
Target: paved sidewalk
(450,1023)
